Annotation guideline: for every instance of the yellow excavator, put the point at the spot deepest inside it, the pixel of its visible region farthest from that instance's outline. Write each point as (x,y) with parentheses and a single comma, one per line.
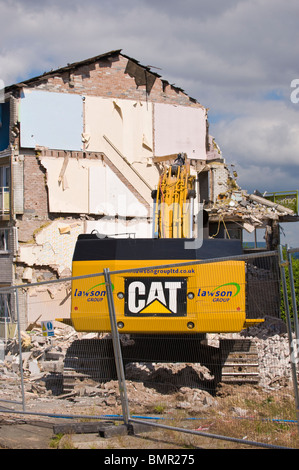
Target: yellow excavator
(173,293)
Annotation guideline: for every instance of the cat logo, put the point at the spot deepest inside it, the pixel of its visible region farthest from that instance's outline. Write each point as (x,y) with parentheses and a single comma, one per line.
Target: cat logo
(153,296)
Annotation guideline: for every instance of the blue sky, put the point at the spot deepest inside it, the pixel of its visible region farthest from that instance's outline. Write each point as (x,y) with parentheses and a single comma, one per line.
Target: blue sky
(236,57)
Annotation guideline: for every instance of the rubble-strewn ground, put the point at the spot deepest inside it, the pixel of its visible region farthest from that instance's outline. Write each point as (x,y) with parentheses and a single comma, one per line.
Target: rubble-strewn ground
(170,393)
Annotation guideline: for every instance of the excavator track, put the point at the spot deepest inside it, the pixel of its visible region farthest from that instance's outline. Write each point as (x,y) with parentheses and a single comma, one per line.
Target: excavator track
(239,362)
(234,362)
(88,359)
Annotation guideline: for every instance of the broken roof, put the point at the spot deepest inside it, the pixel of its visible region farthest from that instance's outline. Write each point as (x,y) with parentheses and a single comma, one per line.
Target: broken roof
(75,65)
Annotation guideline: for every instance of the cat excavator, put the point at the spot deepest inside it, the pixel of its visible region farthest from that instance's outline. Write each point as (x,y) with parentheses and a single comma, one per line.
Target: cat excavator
(168,292)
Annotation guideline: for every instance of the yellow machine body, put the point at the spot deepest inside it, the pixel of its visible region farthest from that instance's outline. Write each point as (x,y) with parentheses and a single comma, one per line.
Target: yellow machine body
(198,298)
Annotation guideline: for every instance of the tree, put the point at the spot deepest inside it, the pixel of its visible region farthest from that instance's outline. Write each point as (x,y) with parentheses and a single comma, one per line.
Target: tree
(295,268)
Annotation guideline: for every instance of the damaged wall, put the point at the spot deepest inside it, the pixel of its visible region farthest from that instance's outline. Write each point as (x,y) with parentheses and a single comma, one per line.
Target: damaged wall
(67,182)
(53,247)
(111,75)
(123,131)
(110,196)
(219,180)
(108,111)
(35,191)
(49,302)
(88,186)
(127,123)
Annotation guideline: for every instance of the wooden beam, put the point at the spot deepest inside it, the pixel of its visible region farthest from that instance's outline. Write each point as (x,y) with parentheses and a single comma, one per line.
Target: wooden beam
(164,158)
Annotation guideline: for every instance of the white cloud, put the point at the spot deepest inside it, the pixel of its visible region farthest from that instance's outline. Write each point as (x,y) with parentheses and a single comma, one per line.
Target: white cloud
(232,45)
(269,135)
(289,234)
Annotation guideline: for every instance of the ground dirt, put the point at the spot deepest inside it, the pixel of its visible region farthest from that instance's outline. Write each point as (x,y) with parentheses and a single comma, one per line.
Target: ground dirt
(237,412)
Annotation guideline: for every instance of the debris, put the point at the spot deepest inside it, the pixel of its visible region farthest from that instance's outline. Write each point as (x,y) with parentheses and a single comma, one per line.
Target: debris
(147,383)
(251,210)
(266,202)
(33,367)
(26,340)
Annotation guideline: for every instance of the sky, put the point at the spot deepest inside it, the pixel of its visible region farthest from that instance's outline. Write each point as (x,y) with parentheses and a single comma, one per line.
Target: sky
(239,58)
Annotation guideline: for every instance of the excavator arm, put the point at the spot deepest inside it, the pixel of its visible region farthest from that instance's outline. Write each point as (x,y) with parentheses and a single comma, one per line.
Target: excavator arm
(174,201)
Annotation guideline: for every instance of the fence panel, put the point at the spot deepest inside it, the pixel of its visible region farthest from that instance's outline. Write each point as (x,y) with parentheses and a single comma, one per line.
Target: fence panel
(228,383)
(11,361)
(293,271)
(65,370)
(242,378)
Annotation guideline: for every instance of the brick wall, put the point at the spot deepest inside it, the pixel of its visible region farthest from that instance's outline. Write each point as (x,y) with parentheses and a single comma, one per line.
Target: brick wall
(6,259)
(219,180)
(35,191)
(108,78)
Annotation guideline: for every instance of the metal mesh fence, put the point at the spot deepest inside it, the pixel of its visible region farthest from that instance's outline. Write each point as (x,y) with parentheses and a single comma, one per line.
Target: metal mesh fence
(12,374)
(202,346)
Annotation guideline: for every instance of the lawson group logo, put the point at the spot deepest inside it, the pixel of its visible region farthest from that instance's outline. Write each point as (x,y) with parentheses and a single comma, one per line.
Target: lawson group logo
(94,294)
(223,293)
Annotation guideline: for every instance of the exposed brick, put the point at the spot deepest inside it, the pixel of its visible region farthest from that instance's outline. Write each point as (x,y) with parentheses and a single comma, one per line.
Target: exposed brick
(108,78)
(35,190)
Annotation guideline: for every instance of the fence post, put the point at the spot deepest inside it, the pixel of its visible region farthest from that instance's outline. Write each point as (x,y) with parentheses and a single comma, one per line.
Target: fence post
(282,265)
(20,348)
(117,349)
(293,293)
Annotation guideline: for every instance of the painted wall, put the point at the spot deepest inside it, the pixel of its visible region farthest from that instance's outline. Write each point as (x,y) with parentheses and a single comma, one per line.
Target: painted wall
(88,186)
(108,195)
(69,193)
(180,129)
(53,120)
(128,126)
(127,123)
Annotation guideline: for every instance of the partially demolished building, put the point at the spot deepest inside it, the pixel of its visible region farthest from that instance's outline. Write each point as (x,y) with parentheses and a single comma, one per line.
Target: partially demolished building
(82,147)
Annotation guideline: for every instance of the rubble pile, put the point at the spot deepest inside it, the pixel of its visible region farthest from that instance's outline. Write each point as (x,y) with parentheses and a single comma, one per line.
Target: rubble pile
(147,384)
(250,208)
(272,343)
(41,357)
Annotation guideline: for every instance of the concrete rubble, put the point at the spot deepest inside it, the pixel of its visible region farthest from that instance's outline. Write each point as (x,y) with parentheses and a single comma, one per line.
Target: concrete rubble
(250,210)
(147,384)
(249,207)
(272,343)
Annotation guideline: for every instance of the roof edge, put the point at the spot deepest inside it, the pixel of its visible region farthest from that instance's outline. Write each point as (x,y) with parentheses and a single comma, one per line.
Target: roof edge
(65,68)
(74,65)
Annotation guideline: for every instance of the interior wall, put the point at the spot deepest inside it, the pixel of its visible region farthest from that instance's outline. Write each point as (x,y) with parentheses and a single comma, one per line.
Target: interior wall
(52,120)
(67,193)
(127,124)
(108,195)
(180,129)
